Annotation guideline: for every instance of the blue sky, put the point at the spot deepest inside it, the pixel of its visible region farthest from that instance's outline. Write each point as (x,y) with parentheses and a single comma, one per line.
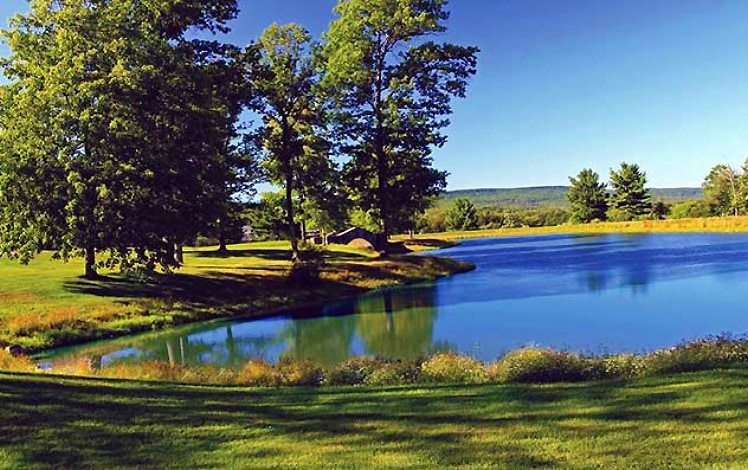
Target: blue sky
(564,85)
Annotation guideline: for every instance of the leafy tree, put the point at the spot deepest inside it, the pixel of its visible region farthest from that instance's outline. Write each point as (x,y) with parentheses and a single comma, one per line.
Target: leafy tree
(630,197)
(116,129)
(462,216)
(284,84)
(588,197)
(268,216)
(393,90)
(723,189)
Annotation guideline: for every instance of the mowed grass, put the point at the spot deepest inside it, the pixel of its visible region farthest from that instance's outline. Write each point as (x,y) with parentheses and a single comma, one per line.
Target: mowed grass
(682,421)
(711,224)
(47,304)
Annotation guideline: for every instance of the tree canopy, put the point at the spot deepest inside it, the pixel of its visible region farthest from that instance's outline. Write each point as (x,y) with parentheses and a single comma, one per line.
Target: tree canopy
(392,91)
(117,130)
(588,197)
(630,195)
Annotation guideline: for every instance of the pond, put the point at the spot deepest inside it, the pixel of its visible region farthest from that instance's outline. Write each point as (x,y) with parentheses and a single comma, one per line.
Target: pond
(592,294)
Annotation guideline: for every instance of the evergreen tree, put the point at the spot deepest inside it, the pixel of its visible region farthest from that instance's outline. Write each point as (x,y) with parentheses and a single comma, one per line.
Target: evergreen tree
(588,197)
(630,196)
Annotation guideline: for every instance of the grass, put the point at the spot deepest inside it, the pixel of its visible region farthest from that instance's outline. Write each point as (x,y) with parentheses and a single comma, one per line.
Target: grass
(683,421)
(711,224)
(46,304)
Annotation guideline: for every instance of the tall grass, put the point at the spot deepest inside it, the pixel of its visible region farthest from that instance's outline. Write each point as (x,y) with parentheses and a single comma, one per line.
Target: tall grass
(710,224)
(525,365)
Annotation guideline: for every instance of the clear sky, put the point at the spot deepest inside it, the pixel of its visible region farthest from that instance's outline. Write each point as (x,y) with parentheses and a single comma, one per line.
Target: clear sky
(564,85)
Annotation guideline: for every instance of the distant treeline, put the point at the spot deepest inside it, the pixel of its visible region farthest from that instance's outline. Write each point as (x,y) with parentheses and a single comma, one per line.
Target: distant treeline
(546,197)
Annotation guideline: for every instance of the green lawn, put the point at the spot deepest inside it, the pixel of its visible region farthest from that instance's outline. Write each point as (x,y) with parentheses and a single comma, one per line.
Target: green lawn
(681,421)
(47,304)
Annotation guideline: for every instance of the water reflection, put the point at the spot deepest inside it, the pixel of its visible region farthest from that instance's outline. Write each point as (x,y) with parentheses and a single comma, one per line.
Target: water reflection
(390,323)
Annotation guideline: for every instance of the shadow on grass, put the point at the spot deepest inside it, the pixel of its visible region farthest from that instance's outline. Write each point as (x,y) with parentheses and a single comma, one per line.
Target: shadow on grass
(237,292)
(89,423)
(272,254)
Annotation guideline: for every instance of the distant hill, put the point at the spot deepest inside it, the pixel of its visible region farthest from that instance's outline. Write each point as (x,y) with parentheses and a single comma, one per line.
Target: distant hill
(546,196)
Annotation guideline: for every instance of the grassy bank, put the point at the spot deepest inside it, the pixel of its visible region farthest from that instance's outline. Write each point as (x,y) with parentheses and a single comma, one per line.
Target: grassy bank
(46,304)
(712,224)
(682,421)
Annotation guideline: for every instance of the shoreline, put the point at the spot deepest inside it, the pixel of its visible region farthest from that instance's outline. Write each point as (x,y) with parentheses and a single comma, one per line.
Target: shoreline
(253,297)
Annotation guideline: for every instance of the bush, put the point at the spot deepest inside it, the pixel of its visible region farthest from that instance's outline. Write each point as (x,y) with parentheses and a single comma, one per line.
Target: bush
(395,373)
(354,371)
(621,366)
(707,353)
(453,368)
(541,365)
(16,363)
(260,374)
(302,373)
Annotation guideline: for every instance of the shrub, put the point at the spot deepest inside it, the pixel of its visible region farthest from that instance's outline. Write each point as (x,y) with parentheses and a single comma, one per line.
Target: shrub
(707,353)
(305,373)
(16,363)
(453,368)
(354,371)
(395,373)
(620,366)
(259,373)
(540,365)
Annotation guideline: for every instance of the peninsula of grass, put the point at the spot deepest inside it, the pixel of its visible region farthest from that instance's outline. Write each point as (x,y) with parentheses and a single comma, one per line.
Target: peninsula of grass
(691,420)
(700,225)
(47,304)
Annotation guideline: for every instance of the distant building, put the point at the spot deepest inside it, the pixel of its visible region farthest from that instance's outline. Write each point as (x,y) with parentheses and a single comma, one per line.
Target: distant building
(358,234)
(313,236)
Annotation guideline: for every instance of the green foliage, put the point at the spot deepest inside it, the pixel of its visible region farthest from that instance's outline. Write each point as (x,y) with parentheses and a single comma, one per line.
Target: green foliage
(708,353)
(726,190)
(588,197)
(544,197)
(89,160)
(453,368)
(284,83)
(630,197)
(693,208)
(354,371)
(435,220)
(540,365)
(391,92)
(395,373)
(462,216)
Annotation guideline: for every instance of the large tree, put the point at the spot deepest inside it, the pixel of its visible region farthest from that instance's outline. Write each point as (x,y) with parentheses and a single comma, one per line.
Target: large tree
(116,130)
(630,195)
(588,197)
(724,190)
(284,84)
(393,88)
(462,216)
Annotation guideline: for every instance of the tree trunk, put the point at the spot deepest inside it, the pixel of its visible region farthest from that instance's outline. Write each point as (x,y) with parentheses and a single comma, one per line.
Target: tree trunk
(290,218)
(90,254)
(178,254)
(222,247)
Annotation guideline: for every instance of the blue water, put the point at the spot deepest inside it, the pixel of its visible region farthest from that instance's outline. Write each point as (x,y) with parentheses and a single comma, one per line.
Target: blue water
(592,294)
